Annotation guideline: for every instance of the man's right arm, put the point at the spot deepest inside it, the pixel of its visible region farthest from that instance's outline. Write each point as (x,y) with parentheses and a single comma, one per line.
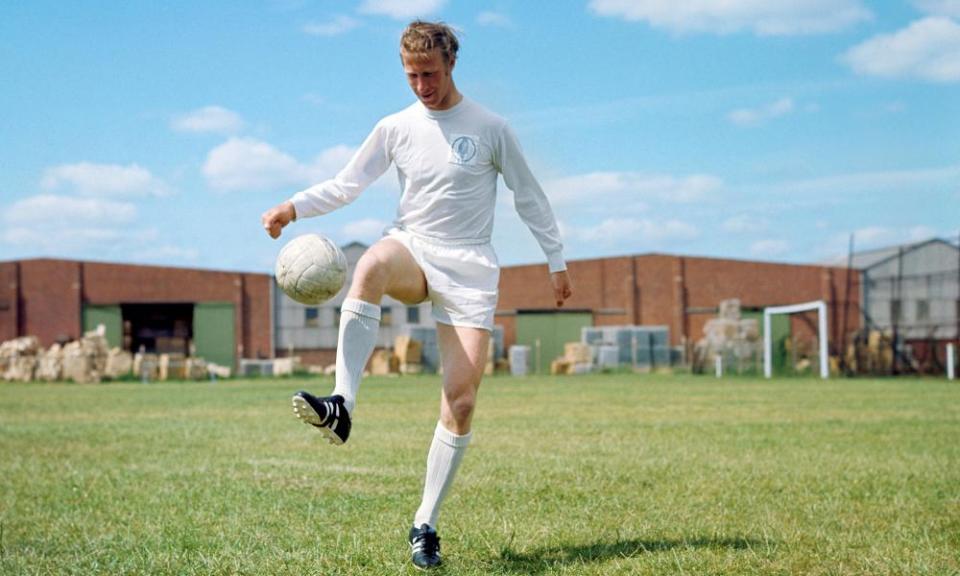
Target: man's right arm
(276,218)
(369,162)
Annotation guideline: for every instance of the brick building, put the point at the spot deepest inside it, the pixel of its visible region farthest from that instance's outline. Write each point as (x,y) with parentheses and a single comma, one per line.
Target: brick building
(225,316)
(678,292)
(221,316)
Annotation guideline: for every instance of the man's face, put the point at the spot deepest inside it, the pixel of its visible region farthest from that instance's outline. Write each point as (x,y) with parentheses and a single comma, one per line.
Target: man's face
(430,79)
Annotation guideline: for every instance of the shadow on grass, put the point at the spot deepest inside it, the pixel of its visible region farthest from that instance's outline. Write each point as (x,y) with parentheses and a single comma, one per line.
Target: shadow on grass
(542,559)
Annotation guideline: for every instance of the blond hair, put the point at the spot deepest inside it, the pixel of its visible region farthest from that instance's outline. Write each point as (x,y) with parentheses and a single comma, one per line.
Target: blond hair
(420,38)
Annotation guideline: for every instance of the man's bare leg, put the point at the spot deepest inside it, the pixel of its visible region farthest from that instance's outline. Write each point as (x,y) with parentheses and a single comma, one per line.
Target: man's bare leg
(386,268)
(464,354)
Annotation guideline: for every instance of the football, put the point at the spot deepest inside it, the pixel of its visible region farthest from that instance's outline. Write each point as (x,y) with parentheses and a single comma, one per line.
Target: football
(311,269)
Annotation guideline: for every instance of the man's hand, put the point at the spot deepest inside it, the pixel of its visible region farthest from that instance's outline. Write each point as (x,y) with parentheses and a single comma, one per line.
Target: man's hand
(276,218)
(562,288)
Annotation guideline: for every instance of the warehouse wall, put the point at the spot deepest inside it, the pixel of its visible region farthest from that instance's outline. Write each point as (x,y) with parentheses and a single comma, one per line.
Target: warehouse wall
(9,300)
(111,283)
(46,297)
(257,324)
(760,284)
(42,298)
(679,292)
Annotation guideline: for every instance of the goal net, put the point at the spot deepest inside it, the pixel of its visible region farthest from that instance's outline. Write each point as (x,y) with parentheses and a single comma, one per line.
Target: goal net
(820,307)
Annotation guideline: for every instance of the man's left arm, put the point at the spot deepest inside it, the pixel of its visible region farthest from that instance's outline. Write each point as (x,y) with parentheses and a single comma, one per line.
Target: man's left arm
(534,209)
(562,287)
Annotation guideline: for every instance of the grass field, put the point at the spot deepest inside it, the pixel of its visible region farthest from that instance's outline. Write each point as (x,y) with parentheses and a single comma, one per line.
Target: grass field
(607,474)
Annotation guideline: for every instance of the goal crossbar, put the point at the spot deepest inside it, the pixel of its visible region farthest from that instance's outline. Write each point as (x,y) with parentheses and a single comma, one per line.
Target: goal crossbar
(821,307)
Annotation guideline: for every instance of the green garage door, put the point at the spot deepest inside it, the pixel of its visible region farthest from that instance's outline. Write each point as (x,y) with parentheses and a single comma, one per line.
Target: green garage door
(780,330)
(110,317)
(214,335)
(553,330)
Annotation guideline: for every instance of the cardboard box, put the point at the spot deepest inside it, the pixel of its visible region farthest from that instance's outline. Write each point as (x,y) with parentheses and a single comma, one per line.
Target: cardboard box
(119,363)
(384,362)
(50,365)
(79,368)
(218,371)
(21,369)
(408,350)
(146,366)
(560,366)
(285,366)
(195,368)
(172,367)
(577,353)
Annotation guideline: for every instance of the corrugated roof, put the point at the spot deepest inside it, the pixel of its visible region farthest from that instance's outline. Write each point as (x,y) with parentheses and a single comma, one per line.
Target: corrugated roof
(871,258)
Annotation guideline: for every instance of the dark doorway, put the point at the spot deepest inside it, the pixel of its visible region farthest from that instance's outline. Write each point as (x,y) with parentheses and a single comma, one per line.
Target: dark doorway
(158,328)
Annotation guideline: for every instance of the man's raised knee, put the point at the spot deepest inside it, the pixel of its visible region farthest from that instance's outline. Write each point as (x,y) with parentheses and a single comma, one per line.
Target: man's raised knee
(370,276)
(461,408)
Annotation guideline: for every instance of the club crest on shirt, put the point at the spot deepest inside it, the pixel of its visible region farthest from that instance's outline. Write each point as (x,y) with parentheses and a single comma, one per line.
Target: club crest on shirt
(463,149)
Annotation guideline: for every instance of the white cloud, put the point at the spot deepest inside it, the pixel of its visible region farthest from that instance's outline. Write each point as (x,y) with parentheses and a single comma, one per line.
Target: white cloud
(928,49)
(616,230)
(745,223)
(366,230)
(249,164)
(488,18)
(80,239)
(769,248)
(213,119)
(328,163)
(55,209)
(51,224)
(335,27)
(919,233)
(68,227)
(631,188)
(939,7)
(754,116)
(765,18)
(401,9)
(89,179)
(57,239)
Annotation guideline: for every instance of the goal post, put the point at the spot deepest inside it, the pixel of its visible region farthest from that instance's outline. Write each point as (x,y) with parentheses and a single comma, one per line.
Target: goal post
(821,307)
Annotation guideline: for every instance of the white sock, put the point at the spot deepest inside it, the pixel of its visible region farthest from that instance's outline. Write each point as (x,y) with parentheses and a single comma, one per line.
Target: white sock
(359,324)
(444,458)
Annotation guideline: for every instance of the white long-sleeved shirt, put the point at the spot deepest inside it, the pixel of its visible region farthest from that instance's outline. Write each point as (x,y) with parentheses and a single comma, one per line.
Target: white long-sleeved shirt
(447,162)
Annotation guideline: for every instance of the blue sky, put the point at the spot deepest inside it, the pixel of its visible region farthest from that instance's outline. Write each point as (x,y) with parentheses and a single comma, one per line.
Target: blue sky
(158,133)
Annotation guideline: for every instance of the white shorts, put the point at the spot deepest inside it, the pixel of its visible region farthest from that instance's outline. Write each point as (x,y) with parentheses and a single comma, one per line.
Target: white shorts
(461,279)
